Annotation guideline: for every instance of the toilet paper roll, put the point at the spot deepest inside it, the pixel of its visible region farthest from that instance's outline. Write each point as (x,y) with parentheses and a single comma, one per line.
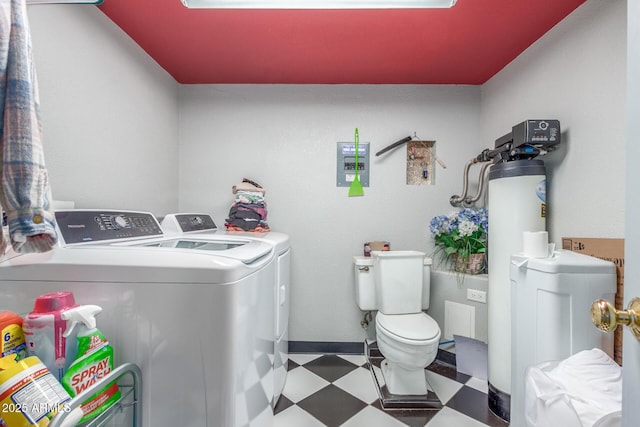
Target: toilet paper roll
(535,244)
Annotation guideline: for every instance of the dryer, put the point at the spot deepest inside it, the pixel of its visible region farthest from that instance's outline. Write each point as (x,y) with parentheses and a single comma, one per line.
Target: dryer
(199,224)
(196,314)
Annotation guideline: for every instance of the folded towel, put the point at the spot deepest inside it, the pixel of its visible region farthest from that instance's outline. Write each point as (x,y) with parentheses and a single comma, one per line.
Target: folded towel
(249,198)
(238,224)
(25,194)
(248,186)
(245,213)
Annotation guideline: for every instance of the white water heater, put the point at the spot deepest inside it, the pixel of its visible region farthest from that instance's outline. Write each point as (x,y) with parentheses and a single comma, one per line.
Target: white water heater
(517,203)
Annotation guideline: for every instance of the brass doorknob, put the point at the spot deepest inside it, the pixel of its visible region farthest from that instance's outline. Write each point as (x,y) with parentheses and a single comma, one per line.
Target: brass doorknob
(607,318)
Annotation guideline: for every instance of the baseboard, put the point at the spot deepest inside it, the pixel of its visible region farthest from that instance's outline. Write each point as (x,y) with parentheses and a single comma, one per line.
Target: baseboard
(329,347)
(326,347)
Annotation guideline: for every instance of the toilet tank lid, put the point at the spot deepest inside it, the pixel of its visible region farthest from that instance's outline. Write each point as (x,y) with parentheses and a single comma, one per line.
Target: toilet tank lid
(565,261)
(397,254)
(362,260)
(412,327)
(365,260)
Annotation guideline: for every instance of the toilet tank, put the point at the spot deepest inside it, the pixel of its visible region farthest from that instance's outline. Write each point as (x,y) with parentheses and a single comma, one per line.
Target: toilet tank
(426,282)
(366,288)
(398,281)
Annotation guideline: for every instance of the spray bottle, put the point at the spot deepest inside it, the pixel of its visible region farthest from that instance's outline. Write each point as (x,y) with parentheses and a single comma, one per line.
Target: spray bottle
(93,361)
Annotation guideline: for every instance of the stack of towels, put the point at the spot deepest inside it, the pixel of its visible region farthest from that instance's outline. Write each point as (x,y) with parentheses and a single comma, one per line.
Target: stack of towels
(249,209)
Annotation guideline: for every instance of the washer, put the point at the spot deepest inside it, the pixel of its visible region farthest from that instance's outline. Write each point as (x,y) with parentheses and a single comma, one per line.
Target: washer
(200,224)
(195,313)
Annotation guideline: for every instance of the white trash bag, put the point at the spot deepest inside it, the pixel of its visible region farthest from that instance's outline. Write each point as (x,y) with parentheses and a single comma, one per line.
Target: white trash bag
(584,390)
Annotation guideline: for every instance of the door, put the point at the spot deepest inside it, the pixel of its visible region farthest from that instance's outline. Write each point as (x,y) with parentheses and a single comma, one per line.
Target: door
(631,346)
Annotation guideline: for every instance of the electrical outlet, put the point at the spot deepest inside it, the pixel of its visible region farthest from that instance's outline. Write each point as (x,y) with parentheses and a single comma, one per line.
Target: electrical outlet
(476,295)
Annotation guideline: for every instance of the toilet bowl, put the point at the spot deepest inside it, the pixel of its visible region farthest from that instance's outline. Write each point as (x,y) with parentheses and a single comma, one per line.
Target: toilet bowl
(409,343)
(397,283)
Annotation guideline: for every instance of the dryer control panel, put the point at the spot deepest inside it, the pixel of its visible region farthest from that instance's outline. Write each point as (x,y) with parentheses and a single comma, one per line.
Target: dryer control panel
(194,222)
(85,226)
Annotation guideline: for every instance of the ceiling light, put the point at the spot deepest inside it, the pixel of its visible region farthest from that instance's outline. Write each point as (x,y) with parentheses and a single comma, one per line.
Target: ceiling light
(317,4)
(64,1)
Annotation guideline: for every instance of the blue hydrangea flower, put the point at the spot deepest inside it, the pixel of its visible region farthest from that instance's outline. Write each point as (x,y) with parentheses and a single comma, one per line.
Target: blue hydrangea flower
(463,232)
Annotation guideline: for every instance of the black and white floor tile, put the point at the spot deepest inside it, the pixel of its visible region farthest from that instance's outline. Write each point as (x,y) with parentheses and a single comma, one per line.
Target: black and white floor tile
(338,390)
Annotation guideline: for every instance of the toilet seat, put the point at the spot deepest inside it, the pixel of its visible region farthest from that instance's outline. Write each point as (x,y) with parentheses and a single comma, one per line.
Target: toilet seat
(414,329)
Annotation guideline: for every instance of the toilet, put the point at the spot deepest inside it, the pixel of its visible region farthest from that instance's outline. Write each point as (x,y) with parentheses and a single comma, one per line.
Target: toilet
(397,284)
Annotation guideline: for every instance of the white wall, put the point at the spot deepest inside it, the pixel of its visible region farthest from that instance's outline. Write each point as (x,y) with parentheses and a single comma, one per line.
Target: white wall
(109,112)
(575,73)
(285,138)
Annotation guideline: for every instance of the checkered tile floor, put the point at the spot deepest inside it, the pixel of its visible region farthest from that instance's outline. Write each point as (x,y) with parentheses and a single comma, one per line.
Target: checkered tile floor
(338,390)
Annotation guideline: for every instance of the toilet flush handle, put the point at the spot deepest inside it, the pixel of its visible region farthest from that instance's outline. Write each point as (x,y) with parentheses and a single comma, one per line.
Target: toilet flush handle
(607,318)
(364,268)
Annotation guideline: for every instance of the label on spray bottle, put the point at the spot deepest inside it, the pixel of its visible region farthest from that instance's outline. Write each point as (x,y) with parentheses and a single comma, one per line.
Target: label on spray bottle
(88,370)
(90,374)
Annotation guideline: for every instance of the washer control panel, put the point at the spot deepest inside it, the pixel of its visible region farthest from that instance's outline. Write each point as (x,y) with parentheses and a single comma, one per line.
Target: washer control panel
(83,226)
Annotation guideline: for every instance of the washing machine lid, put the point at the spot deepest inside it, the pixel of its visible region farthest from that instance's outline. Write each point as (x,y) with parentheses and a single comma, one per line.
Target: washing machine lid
(247,251)
(412,327)
(199,224)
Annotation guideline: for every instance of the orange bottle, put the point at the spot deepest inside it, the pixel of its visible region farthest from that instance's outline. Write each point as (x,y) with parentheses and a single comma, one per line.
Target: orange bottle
(12,337)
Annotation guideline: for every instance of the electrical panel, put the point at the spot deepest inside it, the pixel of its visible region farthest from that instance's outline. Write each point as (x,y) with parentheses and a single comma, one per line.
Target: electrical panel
(346,163)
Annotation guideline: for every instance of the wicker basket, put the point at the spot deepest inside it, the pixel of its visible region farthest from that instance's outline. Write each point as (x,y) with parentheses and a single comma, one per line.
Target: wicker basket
(475,264)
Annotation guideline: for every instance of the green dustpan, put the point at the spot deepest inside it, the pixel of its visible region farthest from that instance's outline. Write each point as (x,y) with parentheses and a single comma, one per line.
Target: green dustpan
(355,189)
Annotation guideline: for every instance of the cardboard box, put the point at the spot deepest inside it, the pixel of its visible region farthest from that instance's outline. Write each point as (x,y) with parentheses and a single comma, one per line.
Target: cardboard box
(610,250)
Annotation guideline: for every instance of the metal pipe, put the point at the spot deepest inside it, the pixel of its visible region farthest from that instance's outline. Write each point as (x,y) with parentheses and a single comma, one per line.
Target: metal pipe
(368,317)
(470,201)
(455,200)
(487,157)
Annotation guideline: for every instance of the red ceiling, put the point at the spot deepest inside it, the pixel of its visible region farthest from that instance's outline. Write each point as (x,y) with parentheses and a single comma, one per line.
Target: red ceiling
(466,44)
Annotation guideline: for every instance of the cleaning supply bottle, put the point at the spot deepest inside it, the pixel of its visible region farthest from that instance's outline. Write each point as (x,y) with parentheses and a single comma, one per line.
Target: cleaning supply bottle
(12,337)
(92,363)
(44,332)
(12,346)
(29,394)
